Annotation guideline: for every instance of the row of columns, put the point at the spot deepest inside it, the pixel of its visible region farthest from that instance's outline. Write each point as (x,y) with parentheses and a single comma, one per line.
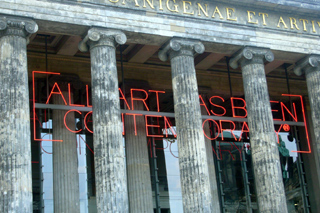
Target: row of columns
(198,187)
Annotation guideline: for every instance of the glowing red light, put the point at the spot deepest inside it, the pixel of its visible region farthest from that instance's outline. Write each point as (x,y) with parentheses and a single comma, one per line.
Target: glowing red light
(122,97)
(34,105)
(217,125)
(87,91)
(57,93)
(152,125)
(274,110)
(134,121)
(202,103)
(286,127)
(69,92)
(245,129)
(157,96)
(238,107)
(231,130)
(85,122)
(215,105)
(295,118)
(139,99)
(122,119)
(305,123)
(65,123)
(167,124)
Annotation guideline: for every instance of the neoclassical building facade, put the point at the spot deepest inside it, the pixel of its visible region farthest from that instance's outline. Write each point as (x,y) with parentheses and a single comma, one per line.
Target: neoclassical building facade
(159,106)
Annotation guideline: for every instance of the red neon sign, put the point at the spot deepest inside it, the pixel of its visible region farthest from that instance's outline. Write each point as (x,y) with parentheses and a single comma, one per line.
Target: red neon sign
(219,125)
(64,120)
(85,121)
(202,103)
(304,120)
(134,121)
(34,105)
(57,93)
(275,110)
(218,106)
(139,99)
(69,92)
(238,107)
(157,97)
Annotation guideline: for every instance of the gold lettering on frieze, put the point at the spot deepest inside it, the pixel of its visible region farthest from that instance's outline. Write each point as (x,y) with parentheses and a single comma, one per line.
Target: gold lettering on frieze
(293,22)
(175,6)
(281,21)
(250,17)
(304,22)
(187,7)
(230,13)
(242,16)
(160,5)
(313,27)
(205,12)
(150,3)
(217,11)
(264,15)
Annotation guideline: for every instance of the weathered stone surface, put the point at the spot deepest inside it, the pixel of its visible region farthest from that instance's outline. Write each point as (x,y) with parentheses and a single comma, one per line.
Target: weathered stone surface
(265,155)
(15,145)
(138,169)
(310,66)
(193,162)
(64,157)
(153,26)
(211,166)
(109,159)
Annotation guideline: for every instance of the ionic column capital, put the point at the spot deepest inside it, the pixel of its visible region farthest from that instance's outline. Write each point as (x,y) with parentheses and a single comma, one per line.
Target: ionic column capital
(17,26)
(308,64)
(102,37)
(248,55)
(178,47)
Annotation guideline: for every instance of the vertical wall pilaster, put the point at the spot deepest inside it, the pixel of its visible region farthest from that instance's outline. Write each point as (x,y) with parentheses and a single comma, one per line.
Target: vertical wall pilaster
(194,172)
(265,154)
(138,167)
(109,159)
(15,147)
(211,165)
(64,155)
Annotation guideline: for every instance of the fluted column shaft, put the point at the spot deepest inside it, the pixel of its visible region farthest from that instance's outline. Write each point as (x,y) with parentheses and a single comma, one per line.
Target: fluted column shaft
(138,169)
(109,159)
(265,154)
(310,65)
(194,173)
(211,165)
(15,144)
(64,158)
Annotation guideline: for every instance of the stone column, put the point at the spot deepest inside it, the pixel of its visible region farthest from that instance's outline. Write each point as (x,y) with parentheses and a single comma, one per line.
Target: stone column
(211,166)
(265,154)
(109,159)
(15,138)
(310,66)
(64,154)
(194,172)
(139,181)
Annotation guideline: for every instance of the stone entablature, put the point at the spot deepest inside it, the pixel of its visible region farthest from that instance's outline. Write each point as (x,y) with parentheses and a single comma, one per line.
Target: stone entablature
(75,18)
(223,12)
